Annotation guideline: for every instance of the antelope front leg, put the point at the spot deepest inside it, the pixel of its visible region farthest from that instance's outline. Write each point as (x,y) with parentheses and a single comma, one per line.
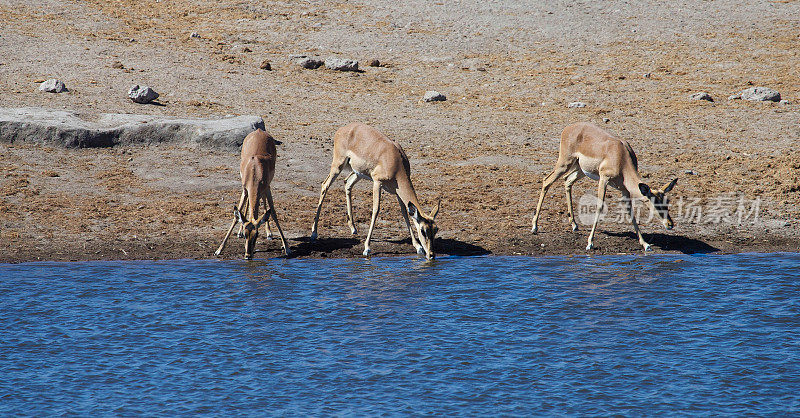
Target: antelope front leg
(376,204)
(571,179)
(414,240)
(647,247)
(325,186)
(601,197)
(277,225)
(266,221)
(350,181)
(233,225)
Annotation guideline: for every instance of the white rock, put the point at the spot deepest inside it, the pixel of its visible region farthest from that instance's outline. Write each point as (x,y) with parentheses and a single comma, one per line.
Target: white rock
(340,64)
(433,96)
(143,94)
(309,63)
(575,105)
(761,94)
(53,86)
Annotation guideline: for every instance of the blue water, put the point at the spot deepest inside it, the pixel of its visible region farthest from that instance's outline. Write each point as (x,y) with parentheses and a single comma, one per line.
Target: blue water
(630,335)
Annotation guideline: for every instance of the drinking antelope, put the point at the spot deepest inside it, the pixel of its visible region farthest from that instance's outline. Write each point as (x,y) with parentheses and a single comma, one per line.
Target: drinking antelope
(371,155)
(256,171)
(588,150)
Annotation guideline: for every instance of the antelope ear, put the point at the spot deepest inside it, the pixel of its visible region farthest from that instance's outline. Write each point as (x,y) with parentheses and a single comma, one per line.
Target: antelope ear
(645,190)
(436,209)
(413,211)
(237,215)
(263,218)
(671,185)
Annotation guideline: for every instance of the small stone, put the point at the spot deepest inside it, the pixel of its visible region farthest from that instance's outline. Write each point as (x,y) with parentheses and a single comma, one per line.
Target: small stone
(735,97)
(340,64)
(701,96)
(576,105)
(53,86)
(374,63)
(606,120)
(309,63)
(433,96)
(194,35)
(647,75)
(690,172)
(761,94)
(142,94)
(265,65)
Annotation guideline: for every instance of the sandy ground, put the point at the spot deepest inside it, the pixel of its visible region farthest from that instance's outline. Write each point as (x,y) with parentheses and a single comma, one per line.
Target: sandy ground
(509,69)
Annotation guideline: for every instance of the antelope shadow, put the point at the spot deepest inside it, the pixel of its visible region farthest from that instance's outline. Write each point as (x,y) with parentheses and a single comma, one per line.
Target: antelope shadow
(671,242)
(451,246)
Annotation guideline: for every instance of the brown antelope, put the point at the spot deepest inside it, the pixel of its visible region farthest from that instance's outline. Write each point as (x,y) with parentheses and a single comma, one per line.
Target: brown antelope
(371,155)
(256,171)
(588,150)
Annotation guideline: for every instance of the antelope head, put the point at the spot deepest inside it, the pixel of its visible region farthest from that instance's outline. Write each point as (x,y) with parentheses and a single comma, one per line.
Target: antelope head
(250,231)
(659,202)
(426,228)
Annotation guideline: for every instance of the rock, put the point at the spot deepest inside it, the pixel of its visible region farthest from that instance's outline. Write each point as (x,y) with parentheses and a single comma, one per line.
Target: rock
(309,63)
(69,129)
(701,96)
(142,94)
(340,64)
(606,120)
(265,65)
(374,63)
(647,75)
(433,96)
(53,86)
(575,105)
(735,97)
(117,65)
(760,94)
(194,35)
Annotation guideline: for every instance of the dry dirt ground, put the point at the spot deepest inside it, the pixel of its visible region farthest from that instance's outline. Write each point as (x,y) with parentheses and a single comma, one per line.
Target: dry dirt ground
(508,69)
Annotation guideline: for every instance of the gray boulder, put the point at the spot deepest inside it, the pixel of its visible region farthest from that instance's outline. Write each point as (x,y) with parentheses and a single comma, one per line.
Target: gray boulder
(143,94)
(340,64)
(760,94)
(53,86)
(70,129)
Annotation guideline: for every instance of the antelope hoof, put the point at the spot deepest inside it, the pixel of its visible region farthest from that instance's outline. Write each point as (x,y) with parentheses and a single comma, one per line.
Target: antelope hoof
(269,237)
(420,250)
(589,247)
(240,234)
(648,247)
(574,227)
(353,230)
(217,253)
(366,252)
(535,229)
(314,236)
(287,251)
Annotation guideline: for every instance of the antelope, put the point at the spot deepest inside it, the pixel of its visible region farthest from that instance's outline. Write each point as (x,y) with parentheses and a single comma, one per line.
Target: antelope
(371,155)
(256,170)
(588,150)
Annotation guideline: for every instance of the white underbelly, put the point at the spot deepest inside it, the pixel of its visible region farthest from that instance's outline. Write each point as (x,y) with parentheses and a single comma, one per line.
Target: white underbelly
(361,167)
(591,175)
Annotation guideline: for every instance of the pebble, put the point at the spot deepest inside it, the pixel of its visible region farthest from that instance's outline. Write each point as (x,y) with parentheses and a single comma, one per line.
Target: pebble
(53,86)
(575,105)
(143,94)
(606,120)
(760,94)
(433,96)
(265,65)
(701,96)
(374,63)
